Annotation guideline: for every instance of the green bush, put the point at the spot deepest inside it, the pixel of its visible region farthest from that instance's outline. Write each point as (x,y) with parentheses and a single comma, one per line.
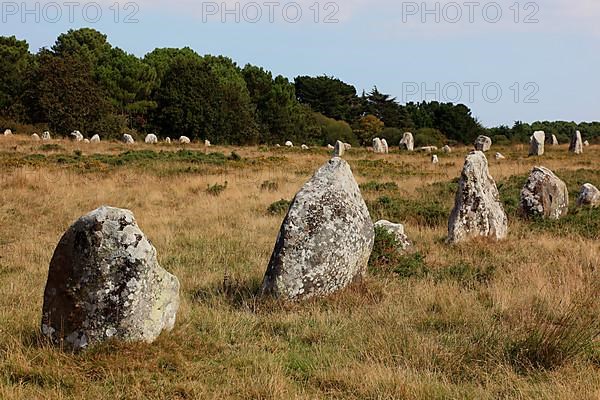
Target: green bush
(216,189)
(374,186)
(429,137)
(279,207)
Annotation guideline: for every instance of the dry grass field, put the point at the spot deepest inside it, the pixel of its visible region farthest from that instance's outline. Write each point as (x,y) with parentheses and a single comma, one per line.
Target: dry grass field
(511,320)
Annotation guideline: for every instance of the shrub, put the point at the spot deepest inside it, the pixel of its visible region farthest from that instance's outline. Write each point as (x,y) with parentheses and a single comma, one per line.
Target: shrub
(374,186)
(279,207)
(216,189)
(429,137)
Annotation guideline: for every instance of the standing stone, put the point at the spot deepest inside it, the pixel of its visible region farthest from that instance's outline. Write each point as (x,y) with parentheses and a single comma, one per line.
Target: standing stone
(407,142)
(586,143)
(326,239)
(77,136)
(576,143)
(589,196)
(168,140)
(538,141)
(330,147)
(500,156)
(483,143)
(378,146)
(447,149)
(339,149)
(478,211)
(105,283)
(8,132)
(207,143)
(86,141)
(95,139)
(128,139)
(397,230)
(386,148)
(35,137)
(46,136)
(428,149)
(348,146)
(544,195)
(554,140)
(435,159)
(151,139)
(184,140)
(289,144)
(304,147)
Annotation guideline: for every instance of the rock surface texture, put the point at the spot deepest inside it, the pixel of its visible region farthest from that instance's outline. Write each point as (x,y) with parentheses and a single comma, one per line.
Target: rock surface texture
(326,239)
(544,195)
(478,211)
(105,283)
(378,146)
(339,149)
(128,139)
(407,142)
(537,144)
(151,139)
(589,196)
(576,143)
(483,143)
(397,230)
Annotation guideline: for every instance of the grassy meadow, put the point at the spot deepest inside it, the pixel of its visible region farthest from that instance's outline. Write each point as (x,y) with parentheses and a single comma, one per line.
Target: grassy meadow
(512,320)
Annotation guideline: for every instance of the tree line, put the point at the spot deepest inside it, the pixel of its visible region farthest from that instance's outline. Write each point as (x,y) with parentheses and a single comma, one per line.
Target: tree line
(84,83)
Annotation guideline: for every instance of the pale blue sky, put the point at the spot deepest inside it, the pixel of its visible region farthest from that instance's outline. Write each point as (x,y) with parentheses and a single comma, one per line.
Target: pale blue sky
(554,61)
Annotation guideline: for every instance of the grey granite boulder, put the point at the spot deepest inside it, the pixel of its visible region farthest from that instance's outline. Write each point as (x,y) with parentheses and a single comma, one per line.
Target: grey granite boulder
(483,143)
(339,149)
(105,283)
(378,146)
(326,239)
(576,145)
(151,139)
(537,143)
(386,147)
(478,211)
(544,195)
(407,142)
(397,230)
(589,196)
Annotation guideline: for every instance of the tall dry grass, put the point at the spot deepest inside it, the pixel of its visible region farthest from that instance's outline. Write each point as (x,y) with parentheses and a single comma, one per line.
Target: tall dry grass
(524,332)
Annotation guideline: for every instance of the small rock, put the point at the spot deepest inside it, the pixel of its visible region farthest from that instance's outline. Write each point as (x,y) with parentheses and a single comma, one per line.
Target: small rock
(348,146)
(184,140)
(483,143)
(435,159)
(398,231)
(46,136)
(544,195)
(35,137)
(168,140)
(289,144)
(8,132)
(554,140)
(95,139)
(500,156)
(589,196)
(586,143)
(207,143)
(447,149)
(330,147)
(86,141)
(128,139)
(151,139)
(304,147)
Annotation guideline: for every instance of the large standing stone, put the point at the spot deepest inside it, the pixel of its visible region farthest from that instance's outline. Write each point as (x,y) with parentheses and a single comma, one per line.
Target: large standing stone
(407,142)
(378,146)
(77,136)
(483,143)
(128,139)
(8,132)
(339,149)
(46,136)
(386,148)
(105,283)
(576,143)
(538,141)
(95,139)
(397,230)
(325,240)
(500,156)
(435,159)
(151,139)
(289,144)
(554,140)
(544,195)
(184,140)
(589,195)
(477,209)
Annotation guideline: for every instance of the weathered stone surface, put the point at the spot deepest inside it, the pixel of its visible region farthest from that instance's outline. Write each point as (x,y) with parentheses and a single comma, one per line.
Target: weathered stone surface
(339,149)
(184,140)
(128,139)
(407,142)
(554,140)
(325,240)
(289,144)
(500,156)
(151,139)
(537,143)
(478,211)
(105,283)
(447,149)
(378,146)
(35,137)
(483,143)
(384,145)
(95,139)
(397,230)
(8,132)
(46,136)
(544,195)
(435,159)
(77,136)
(589,196)
(576,145)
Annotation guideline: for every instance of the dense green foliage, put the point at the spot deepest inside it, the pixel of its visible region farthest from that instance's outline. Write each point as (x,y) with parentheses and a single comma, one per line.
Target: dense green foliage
(84,83)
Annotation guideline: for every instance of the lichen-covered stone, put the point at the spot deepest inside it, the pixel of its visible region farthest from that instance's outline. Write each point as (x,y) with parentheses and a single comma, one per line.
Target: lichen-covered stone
(483,143)
(537,143)
(151,139)
(404,243)
(326,239)
(576,145)
(105,283)
(544,195)
(589,196)
(289,144)
(407,142)
(478,211)
(8,132)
